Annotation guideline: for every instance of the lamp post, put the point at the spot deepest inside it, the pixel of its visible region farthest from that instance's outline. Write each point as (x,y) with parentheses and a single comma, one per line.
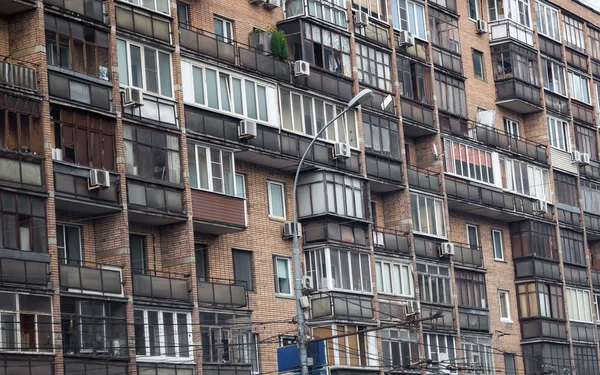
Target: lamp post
(359,99)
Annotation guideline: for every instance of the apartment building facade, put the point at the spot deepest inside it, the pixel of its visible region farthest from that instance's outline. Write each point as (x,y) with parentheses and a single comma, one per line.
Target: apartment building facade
(147,152)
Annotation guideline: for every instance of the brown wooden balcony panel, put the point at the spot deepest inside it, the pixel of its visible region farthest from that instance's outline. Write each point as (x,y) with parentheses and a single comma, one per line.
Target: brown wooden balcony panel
(218,209)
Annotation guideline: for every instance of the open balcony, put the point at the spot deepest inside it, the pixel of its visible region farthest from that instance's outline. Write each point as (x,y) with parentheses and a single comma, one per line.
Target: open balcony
(374,33)
(550,47)
(97,279)
(12,7)
(595,279)
(222,293)
(490,202)
(507,29)
(76,91)
(153,203)
(385,173)
(444,323)
(557,103)
(18,74)
(218,214)
(423,179)
(508,142)
(592,225)
(427,248)
(92,9)
(140,21)
(468,255)
(583,113)
(417,117)
(341,306)
(518,96)
(161,286)
(390,240)
(23,272)
(591,170)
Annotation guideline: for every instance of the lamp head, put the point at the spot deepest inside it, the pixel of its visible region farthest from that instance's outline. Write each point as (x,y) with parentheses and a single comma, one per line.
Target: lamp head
(362,97)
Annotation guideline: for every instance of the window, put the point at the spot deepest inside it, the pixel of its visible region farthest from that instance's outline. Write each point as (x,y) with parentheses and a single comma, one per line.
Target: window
(151,154)
(590,195)
(144,67)
(558,131)
(439,348)
(327,192)
(513,61)
(68,242)
(478,353)
(572,246)
(84,138)
(478,64)
(451,94)
(510,364)
(469,162)
(597,306)
(504,305)
(473,236)
(594,42)
(585,140)
(547,20)
(544,357)
(375,8)
(323,48)
(211,169)
(137,248)
(511,128)
(573,32)
(162,6)
(579,87)
(553,75)
(240,185)
(20,132)
(409,15)
(228,339)
(415,80)
(283,275)
(243,268)
(162,333)
(228,93)
(497,245)
(428,215)
(434,283)
(470,289)
(565,187)
(373,67)
(276,198)
(540,300)
(515,10)
(444,30)
(359,348)
(394,278)
(381,135)
(332,11)
(534,238)
(578,302)
(26,323)
(307,115)
(586,360)
(77,47)
(473,9)
(524,178)
(23,220)
(200,252)
(183,15)
(223,30)
(399,348)
(339,269)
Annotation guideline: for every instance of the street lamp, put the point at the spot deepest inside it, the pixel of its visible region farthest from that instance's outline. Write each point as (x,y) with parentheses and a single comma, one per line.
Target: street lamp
(362,97)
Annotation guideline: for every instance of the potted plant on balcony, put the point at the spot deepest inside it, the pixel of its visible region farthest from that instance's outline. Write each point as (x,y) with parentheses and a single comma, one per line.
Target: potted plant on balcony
(272,40)
(279,47)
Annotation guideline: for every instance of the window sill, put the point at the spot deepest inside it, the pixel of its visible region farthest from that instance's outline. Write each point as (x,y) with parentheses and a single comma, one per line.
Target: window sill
(279,219)
(499,260)
(506,321)
(285,296)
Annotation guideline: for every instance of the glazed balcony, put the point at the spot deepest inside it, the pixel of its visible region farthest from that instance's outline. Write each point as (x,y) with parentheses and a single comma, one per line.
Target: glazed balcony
(444,323)
(328,11)
(537,328)
(423,179)
(335,231)
(96,94)
(222,292)
(576,275)
(468,255)
(550,47)
(506,29)
(583,332)
(326,306)
(95,279)
(216,213)
(161,286)
(507,142)
(595,279)
(21,170)
(591,170)
(18,75)
(576,59)
(537,269)
(592,225)
(374,33)
(92,9)
(12,7)
(569,215)
(23,272)
(390,240)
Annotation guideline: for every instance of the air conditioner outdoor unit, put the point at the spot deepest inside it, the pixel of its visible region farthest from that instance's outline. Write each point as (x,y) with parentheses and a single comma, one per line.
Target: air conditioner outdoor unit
(412,308)
(271,4)
(575,157)
(341,150)
(362,19)
(301,68)
(446,248)
(481,27)
(405,38)
(585,158)
(288,230)
(307,282)
(132,97)
(540,206)
(247,129)
(99,178)
(57,154)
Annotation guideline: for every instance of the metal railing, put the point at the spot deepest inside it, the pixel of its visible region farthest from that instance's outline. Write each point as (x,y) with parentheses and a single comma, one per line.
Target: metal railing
(18,74)
(509,29)
(499,138)
(82,279)
(143,22)
(390,239)
(90,8)
(161,285)
(423,178)
(468,255)
(23,272)
(341,306)
(222,292)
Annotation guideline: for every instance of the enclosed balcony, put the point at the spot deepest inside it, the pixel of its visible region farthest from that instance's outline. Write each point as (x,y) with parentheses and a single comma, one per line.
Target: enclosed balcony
(161,286)
(583,113)
(390,240)
(591,170)
(423,179)
(341,306)
(582,332)
(332,12)
(543,328)
(21,170)
(537,268)
(592,225)
(508,142)
(18,75)
(12,7)
(23,272)
(335,231)
(76,91)
(98,279)
(222,293)
(557,103)
(508,29)
(92,9)
(216,213)
(468,255)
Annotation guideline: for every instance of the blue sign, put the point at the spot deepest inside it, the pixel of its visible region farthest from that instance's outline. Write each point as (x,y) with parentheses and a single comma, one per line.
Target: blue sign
(288,357)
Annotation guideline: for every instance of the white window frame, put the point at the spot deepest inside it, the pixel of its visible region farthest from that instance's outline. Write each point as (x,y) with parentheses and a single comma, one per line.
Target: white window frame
(477,10)
(435,278)
(468,151)
(209,171)
(290,278)
(227,29)
(63,249)
(388,342)
(270,199)
(506,294)
(561,131)
(435,348)
(512,128)
(403,269)
(411,19)
(472,354)
(597,306)
(476,233)
(579,87)
(578,303)
(323,257)
(559,86)
(537,189)
(161,337)
(368,5)
(140,3)
(142,48)
(17,327)
(509,5)
(545,24)
(436,201)
(499,233)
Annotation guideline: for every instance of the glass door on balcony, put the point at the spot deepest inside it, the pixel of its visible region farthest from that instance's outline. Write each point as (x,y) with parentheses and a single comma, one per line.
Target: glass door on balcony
(473,236)
(137,253)
(68,242)
(516,10)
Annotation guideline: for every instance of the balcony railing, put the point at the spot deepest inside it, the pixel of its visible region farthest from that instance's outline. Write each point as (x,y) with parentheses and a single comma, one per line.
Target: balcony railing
(446,322)
(518,96)
(447,60)
(425,247)
(582,332)
(341,306)
(390,240)
(89,8)
(423,178)
(550,47)
(582,112)
(498,138)
(100,279)
(155,110)
(72,181)
(596,68)
(328,83)
(23,170)
(25,272)
(509,29)
(153,197)
(576,275)
(222,292)
(576,59)
(568,216)
(19,75)
(595,279)
(143,22)
(474,320)
(546,328)
(468,255)
(166,285)
(592,222)
(536,268)
(374,32)
(556,102)
(79,91)
(419,116)
(384,168)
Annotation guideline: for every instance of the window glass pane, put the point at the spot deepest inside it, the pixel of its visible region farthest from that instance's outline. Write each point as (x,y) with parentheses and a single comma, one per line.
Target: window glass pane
(151,70)
(277,202)
(211,87)
(250,100)
(123,62)
(164,61)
